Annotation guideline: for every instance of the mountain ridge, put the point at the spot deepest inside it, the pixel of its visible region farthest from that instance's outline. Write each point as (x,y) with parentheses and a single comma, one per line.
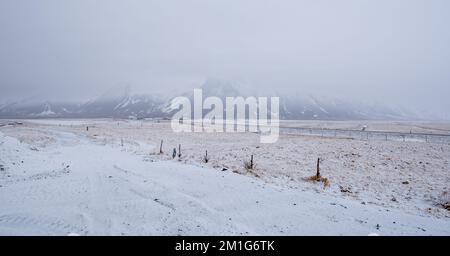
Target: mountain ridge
(124,104)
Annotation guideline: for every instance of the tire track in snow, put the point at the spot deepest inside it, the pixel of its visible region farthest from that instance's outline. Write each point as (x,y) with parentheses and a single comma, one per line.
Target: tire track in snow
(38,224)
(164,195)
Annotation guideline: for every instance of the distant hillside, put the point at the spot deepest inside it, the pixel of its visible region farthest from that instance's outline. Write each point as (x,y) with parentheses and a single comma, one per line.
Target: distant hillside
(124,104)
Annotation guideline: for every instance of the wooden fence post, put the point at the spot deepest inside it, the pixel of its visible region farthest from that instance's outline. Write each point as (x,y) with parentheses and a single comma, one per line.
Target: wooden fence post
(318,168)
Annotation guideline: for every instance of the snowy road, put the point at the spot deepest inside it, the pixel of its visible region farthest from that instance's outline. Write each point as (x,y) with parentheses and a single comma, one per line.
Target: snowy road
(76,185)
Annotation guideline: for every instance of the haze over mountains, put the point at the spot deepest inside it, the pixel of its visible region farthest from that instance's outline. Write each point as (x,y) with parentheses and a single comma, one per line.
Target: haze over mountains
(322,57)
(125,104)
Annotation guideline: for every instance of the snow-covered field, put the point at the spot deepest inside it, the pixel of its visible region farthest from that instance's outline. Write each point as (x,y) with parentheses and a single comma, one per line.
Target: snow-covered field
(58,178)
(429,127)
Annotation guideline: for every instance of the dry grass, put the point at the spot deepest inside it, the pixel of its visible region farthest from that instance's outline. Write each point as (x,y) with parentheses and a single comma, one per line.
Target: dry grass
(319,178)
(248,165)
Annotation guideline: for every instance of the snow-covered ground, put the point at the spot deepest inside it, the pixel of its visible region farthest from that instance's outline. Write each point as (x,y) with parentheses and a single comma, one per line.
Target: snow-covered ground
(58,178)
(430,127)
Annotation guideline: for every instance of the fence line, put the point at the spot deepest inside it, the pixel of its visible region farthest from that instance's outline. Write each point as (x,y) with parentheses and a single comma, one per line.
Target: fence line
(368,135)
(358,134)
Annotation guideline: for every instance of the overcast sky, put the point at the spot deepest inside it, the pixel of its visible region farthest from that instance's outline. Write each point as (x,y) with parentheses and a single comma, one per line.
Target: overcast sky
(393,51)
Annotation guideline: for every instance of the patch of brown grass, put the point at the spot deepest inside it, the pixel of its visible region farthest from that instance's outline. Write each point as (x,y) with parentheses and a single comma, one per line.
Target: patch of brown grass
(318,178)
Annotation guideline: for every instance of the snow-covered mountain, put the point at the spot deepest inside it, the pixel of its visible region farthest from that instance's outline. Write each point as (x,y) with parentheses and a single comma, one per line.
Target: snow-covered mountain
(326,108)
(304,107)
(36,109)
(124,104)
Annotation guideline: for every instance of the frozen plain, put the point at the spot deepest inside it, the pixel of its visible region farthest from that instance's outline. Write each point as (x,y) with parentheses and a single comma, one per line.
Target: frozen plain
(60,179)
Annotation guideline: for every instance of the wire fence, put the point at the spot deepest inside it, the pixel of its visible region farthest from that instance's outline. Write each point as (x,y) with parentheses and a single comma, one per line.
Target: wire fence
(361,134)
(368,135)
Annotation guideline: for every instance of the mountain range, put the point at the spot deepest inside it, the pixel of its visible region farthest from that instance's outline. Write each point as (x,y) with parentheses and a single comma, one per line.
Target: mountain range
(124,104)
